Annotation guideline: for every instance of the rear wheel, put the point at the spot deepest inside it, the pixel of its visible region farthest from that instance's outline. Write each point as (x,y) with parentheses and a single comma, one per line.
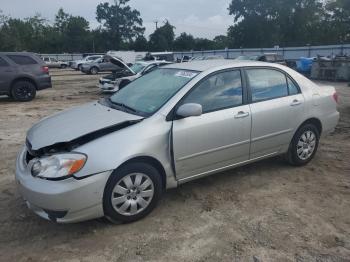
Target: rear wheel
(304,145)
(79,67)
(23,91)
(63,66)
(94,70)
(132,192)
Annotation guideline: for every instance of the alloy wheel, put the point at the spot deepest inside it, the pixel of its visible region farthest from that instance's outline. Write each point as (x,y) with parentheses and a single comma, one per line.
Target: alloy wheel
(132,194)
(306,145)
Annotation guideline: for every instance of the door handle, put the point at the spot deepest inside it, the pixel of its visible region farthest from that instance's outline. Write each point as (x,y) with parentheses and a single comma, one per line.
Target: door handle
(295,102)
(241,114)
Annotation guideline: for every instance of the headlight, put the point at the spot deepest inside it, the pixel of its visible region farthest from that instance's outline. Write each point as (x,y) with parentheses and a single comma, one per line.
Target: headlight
(58,166)
(116,82)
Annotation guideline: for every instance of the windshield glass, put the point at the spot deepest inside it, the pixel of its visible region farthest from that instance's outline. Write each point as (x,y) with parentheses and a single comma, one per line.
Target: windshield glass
(137,67)
(147,94)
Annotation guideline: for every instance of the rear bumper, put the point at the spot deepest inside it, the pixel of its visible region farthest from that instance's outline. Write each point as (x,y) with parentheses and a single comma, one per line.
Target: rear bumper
(44,82)
(329,122)
(66,201)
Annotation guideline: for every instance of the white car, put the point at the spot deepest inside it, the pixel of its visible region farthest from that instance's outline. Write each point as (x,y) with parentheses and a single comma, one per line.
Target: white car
(112,83)
(77,64)
(54,63)
(181,122)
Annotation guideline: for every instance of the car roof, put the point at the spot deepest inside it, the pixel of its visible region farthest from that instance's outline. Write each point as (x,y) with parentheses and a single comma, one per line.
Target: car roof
(205,65)
(153,62)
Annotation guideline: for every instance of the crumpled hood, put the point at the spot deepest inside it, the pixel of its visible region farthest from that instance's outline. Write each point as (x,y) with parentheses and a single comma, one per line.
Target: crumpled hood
(75,123)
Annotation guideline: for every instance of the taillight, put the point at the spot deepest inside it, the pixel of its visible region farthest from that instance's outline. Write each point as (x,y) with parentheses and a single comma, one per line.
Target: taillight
(336,97)
(45,69)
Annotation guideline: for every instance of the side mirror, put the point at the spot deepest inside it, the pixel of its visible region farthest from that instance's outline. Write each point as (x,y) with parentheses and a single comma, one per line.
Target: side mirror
(190,109)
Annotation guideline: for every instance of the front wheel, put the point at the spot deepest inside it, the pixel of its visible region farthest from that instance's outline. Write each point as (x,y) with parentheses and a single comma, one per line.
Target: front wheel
(132,192)
(304,145)
(94,70)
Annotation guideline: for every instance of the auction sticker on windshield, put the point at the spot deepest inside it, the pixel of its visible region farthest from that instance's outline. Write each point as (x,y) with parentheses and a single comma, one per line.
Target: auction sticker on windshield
(186,74)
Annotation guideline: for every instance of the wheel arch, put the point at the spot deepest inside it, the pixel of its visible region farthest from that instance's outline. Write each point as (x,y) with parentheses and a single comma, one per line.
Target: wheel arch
(148,160)
(24,78)
(314,121)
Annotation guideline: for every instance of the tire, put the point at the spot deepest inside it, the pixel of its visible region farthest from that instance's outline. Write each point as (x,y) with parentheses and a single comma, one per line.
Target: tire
(23,91)
(132,200)
(94,70)
(63,66)
(123,84)
(304,145)
(79,67)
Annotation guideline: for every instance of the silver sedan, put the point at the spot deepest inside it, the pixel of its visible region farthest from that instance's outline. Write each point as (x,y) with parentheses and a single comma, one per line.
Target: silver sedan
(116,157)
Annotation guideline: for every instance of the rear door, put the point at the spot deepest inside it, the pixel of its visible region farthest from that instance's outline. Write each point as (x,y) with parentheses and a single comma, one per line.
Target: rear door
(7,73)
(277,108)
(218,138)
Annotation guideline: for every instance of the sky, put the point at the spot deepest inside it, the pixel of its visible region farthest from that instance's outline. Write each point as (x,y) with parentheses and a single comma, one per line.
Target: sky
(201,18)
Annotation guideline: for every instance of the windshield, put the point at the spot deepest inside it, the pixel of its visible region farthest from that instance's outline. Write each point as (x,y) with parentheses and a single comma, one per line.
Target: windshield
(137,67)
(147,94)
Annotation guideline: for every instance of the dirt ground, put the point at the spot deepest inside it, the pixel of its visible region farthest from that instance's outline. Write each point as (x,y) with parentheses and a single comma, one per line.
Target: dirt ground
(267,211)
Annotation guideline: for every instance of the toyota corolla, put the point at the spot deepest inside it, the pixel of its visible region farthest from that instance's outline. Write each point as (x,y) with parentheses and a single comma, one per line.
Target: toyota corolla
(116,157)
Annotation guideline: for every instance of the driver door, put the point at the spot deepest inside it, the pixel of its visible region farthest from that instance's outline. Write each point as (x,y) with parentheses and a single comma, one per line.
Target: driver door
(220,137)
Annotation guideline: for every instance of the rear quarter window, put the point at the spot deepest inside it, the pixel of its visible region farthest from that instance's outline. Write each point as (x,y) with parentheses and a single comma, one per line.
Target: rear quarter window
(3,62)
(22,59)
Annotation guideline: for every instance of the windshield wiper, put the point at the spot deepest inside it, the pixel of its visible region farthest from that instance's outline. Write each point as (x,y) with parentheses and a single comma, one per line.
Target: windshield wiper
(123,106)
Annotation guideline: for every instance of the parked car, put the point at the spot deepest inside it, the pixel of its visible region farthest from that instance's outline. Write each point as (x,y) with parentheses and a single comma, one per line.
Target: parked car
(162,56)
(178,123)
(22,75)
(210,57)
(272,58)
(54,63)
(76,65)
(246,58)
(114,82)
(99,65)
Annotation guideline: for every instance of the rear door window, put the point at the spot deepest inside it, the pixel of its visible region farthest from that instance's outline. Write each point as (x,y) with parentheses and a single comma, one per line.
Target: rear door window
(266,84)
(22,59)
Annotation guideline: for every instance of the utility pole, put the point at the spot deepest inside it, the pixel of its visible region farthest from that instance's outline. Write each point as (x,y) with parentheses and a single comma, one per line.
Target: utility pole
(156,22)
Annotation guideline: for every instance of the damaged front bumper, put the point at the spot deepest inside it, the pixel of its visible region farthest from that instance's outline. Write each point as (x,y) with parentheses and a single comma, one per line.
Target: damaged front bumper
(65,201)
(108,88)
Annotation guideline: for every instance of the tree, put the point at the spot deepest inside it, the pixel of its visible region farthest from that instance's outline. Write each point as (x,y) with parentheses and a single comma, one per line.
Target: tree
(162,38)
(338,20)
(61,20)
(184,42)
(275,22)
(204,44)
(121,22)
(140,44)
(76,35)
(220,42)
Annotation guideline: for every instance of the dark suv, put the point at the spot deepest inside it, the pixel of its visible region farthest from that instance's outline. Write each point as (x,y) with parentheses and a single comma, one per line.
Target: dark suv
(22,74)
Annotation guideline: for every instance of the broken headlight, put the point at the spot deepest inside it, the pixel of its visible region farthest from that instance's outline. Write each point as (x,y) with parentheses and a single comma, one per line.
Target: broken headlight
(58,166)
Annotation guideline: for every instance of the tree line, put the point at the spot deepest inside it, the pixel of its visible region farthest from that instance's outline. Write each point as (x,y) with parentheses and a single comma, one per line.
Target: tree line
(256,23)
